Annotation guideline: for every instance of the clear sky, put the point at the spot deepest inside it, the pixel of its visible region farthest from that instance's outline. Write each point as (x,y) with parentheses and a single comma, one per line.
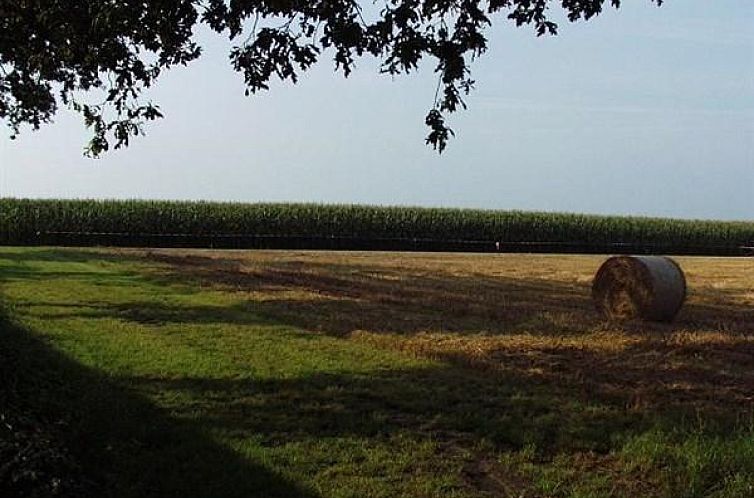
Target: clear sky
(644,110)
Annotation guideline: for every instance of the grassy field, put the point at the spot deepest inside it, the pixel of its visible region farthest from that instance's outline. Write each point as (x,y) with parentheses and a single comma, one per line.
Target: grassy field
(313,374)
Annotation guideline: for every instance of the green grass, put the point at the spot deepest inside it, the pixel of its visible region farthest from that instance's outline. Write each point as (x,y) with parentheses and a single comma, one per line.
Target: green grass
(164,386)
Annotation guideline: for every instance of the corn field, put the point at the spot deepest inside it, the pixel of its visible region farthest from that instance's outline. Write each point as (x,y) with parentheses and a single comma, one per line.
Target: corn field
(222,224)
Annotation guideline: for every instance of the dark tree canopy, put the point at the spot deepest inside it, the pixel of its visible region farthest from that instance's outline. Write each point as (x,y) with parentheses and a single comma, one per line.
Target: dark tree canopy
(97,56)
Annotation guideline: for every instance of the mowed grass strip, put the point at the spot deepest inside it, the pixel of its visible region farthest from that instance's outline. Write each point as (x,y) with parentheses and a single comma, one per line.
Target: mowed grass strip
(321,374)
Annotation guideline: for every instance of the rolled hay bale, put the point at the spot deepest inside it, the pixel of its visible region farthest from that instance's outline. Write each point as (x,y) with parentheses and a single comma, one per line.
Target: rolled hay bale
(647,287)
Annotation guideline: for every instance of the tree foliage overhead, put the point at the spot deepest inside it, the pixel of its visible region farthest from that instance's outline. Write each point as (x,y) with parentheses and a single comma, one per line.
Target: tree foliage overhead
(98,56)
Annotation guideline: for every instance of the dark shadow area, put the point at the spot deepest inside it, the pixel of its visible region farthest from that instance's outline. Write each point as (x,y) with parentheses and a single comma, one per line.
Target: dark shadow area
(70,431)
(23,269)
(443,403)
(27,274)
(148,312)
(651,379)
(58,255)
(509,410)
(719,308)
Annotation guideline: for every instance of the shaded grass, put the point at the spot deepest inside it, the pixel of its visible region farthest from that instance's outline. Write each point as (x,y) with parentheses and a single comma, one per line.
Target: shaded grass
(98,437)
(224,378)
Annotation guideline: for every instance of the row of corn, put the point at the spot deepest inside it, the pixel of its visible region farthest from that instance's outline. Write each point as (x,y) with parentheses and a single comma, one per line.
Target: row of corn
(24,220)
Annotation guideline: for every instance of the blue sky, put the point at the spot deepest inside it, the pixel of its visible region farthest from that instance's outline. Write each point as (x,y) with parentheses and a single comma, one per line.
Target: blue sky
(644,111)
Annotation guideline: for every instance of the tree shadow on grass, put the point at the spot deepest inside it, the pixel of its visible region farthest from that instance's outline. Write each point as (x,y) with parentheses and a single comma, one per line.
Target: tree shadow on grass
(72,431)
(25,265)
(436,402)
(53,255)
(146,312)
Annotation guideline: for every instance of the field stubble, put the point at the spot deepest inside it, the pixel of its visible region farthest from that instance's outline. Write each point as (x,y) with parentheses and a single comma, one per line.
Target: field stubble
(526,314)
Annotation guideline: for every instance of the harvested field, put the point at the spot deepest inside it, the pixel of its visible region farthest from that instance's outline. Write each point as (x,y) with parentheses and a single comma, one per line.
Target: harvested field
(395,374)
(528,314)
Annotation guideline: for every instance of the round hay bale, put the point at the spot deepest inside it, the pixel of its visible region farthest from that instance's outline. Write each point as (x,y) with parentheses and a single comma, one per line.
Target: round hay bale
(647,287)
